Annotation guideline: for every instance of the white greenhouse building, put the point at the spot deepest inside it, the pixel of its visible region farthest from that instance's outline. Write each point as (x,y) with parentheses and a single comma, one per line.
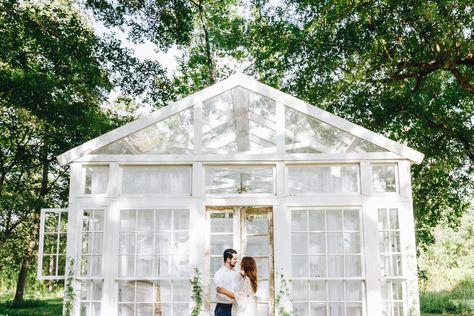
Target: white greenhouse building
(322,204)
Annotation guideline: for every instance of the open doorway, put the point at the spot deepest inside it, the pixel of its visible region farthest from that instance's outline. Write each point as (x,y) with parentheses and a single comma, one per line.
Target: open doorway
(249,230)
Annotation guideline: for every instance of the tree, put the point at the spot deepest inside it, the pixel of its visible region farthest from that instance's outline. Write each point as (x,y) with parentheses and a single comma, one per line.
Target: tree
(400,68)
(51,85)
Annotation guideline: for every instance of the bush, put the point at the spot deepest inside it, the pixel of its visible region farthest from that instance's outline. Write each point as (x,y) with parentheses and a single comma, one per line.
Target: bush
(442,302)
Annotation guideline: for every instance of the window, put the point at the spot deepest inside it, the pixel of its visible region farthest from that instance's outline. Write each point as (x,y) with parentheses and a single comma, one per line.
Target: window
(392,282)
(52,246)
(92,243)
(154,262)
(96,179)
(239,120)
(239,180)
(307,134)
(172,135)
(156,180)
(384,178)
(326,259)
(92,250)
(323,179)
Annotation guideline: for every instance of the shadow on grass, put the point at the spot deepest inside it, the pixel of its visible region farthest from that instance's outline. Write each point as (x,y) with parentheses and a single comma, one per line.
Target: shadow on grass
(457,301)
(51,305)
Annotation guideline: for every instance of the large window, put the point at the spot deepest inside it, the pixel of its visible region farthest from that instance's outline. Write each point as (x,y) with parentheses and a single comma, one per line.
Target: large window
(392,283)
(92,250)
(156,180)
(239,180)
(328,278)
(52,247)
(154,262)
(323,179)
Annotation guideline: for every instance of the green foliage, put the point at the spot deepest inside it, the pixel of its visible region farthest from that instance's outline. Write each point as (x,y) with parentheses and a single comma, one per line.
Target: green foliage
(448,262)
(196,293)
(442,303)
(283,293)
(69,293)
(44,306)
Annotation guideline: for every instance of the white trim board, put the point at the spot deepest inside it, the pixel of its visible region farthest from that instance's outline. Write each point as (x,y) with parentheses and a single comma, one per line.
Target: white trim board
(251,84)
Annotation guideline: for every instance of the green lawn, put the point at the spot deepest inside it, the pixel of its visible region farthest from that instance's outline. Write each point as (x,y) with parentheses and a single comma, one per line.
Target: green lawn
(46,305)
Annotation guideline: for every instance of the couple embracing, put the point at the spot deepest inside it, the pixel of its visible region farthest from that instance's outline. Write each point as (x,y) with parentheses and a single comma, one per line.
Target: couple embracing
(236,288)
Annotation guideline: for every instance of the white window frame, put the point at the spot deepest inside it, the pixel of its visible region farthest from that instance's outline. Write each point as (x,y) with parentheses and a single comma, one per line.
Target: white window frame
(39,271)
(82,191)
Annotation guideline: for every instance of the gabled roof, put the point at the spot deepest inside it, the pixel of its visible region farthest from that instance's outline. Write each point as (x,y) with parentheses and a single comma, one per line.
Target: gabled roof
(246,82)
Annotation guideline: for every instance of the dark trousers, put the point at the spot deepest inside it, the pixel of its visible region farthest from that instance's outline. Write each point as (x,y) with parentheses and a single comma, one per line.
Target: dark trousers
(223,310)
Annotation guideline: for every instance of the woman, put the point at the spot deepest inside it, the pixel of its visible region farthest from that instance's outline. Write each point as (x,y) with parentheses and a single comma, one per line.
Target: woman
(245,295)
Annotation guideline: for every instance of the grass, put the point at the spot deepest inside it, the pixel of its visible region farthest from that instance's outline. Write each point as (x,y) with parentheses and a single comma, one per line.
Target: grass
(45,305)
(457,301)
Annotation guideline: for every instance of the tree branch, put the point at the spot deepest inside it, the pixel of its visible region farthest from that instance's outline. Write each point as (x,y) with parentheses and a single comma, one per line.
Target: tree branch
(463,81)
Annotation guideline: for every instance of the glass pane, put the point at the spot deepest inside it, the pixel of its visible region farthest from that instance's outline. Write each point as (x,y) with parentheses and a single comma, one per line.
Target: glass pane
(95,309)
(49,265)
(307,134)
(163,291)
(384,240)
(51,222)
(317,243)
(127,310)
(163,220)
(300,290)
(145,243)
(383,220)
(353,266)
(97,247)
(397,291)
(163,243)
(97,290)
(145,219)
(181,242)
(354,309)
(301,309)
(396,265)
(96,179)
(318,291)
(300,266)
(98,221)
(50,243)
(336,266)
(394,218)
(163,309)
(239,121)
(173,135)
(221,242)
(162,266)
(395,241)
(126,266)
(144,266)
(180,309)
(127,220)
(334,218)
(351,220)
(239,180)
(384,178)
(323,179)
(351,242)
(217,262)
(181,220)
(144,309)
(262,268)
(353,291)
(180,266)
(336,309)
(398,309)
(181,291)
(144,291)
(263,291)
(127,243)
(317,220)
(222,222)
(318,309)
(257,246)
(299,243)
(156,180)
(336,291)
(317,266)
(256,223)
(335,243)
(299,220)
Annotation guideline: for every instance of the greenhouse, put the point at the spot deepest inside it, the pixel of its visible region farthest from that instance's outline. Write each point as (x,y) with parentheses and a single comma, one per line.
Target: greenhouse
(323,205)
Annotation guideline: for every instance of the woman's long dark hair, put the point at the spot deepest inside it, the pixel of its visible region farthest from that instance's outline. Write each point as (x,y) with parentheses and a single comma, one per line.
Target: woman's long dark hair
(249,266)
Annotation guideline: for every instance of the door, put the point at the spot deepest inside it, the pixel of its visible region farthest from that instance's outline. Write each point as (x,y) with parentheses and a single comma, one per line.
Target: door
(249,230)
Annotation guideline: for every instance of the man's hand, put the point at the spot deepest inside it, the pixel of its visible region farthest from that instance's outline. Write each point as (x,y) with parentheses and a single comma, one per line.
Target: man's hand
(225,292)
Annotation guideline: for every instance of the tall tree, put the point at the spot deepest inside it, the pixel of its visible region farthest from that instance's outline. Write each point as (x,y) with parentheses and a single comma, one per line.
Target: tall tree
(51,85)
(401,68)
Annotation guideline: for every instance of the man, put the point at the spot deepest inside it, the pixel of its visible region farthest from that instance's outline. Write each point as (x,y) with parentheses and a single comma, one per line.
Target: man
(226,278)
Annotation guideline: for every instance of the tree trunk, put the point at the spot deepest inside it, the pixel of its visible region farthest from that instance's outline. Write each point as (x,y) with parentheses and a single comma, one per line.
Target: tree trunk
(210,63)
(34,232)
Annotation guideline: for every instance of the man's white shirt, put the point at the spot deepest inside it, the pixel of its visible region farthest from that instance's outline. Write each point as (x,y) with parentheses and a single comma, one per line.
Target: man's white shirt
(228,279)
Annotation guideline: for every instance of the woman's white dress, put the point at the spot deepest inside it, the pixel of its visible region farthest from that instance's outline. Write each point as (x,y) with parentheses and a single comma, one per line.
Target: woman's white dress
(245,298)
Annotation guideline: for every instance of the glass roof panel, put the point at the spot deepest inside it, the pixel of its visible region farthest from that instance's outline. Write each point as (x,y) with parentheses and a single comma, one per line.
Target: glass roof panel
(173,135)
